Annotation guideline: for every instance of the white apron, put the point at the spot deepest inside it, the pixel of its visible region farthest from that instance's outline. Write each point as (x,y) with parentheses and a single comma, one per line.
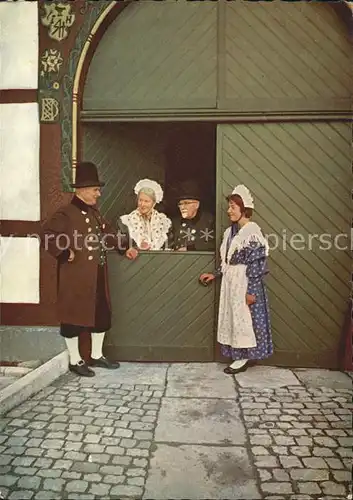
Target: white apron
(235,327)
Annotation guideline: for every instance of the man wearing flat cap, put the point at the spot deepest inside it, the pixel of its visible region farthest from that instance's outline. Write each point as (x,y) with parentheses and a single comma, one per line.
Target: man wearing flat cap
(193,230)
(78,237)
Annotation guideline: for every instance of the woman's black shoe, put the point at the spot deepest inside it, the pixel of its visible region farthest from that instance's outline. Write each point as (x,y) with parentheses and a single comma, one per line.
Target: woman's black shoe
(233,371)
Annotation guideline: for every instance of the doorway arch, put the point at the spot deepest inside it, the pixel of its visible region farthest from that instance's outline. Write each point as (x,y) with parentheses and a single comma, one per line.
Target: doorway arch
(98,17)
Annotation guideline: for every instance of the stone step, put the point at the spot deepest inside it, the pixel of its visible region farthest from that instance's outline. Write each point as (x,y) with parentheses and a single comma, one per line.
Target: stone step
(5,381)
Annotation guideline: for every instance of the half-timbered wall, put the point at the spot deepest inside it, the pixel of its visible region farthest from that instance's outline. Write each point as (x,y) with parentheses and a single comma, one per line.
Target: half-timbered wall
(19,152)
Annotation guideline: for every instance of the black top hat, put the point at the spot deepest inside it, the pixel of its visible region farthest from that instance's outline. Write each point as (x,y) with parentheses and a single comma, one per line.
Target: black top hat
(87,175)
(189,190)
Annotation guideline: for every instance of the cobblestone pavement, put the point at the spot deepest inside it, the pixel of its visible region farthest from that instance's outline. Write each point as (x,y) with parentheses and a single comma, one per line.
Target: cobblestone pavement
(300,440)
(181,432)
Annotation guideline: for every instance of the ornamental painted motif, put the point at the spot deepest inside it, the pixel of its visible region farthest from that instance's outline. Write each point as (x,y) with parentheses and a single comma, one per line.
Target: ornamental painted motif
(58,18)
(49,109)
(92,12)
(51,61)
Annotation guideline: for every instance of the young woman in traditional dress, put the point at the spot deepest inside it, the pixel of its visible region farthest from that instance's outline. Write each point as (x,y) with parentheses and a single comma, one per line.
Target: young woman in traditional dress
(146,228)
(244,329)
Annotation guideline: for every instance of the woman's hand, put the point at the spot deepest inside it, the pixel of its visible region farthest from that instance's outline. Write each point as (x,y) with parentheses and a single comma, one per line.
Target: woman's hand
(145,246)
(207,277)
(131,253)
(250,299)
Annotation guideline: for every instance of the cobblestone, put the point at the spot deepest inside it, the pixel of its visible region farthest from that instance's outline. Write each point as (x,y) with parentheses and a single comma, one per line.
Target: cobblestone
(21,495)
(29,483)
(49,473)
(312,446)
(79,440)
(70,475)
(309,488)
(331,488)
(79,447)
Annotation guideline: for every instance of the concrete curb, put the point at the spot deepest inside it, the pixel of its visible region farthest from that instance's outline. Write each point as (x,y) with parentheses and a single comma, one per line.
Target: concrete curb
(28,385)
(14,371)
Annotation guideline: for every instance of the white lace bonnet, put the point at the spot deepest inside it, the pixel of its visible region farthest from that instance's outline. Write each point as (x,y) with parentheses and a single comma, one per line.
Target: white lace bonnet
(147,183)
(245,195)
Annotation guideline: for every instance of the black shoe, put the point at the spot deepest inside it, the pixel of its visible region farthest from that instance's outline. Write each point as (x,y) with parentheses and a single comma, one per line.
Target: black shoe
(233,371)
(81,369)
(104,363)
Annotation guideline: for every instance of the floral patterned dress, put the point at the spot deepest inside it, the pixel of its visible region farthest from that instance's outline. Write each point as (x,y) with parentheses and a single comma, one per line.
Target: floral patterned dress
(244,332)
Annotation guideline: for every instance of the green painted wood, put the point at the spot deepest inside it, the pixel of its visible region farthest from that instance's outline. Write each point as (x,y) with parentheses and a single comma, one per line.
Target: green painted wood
(156,55)
(300,175)
(284,51)
(160,310)
(232,56)
(124,154)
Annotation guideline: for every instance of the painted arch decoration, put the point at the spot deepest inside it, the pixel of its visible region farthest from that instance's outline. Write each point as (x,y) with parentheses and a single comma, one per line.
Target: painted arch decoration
(94,13)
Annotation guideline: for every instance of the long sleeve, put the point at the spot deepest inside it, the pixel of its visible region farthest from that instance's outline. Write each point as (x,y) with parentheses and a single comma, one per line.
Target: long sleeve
(256,268)
(116,240)
(124,234)
(169,245)
(218,271)
(255,259)
(55,236)
(112,238)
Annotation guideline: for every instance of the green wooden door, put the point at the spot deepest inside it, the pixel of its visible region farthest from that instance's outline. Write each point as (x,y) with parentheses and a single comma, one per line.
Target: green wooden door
(160,310)
(300,175)
(156,55)
(193,58)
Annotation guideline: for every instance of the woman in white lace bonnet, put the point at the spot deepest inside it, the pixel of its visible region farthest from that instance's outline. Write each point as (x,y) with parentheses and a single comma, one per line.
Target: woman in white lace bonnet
(147,227)
(244,329)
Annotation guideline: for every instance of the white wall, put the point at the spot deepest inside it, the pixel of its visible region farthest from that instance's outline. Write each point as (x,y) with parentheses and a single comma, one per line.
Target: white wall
(19,162)
(19,151)
(18,45)
(19,270)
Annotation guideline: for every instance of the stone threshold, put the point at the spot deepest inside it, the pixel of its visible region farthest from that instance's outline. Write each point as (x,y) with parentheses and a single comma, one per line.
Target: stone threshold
(33,382)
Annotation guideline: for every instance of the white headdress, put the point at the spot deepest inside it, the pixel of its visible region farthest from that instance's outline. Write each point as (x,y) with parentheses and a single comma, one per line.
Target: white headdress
(245,195)
(147,183)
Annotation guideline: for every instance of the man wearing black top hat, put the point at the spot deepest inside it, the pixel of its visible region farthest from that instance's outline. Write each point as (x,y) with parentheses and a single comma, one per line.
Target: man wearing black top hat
(78,237)
(193,230)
